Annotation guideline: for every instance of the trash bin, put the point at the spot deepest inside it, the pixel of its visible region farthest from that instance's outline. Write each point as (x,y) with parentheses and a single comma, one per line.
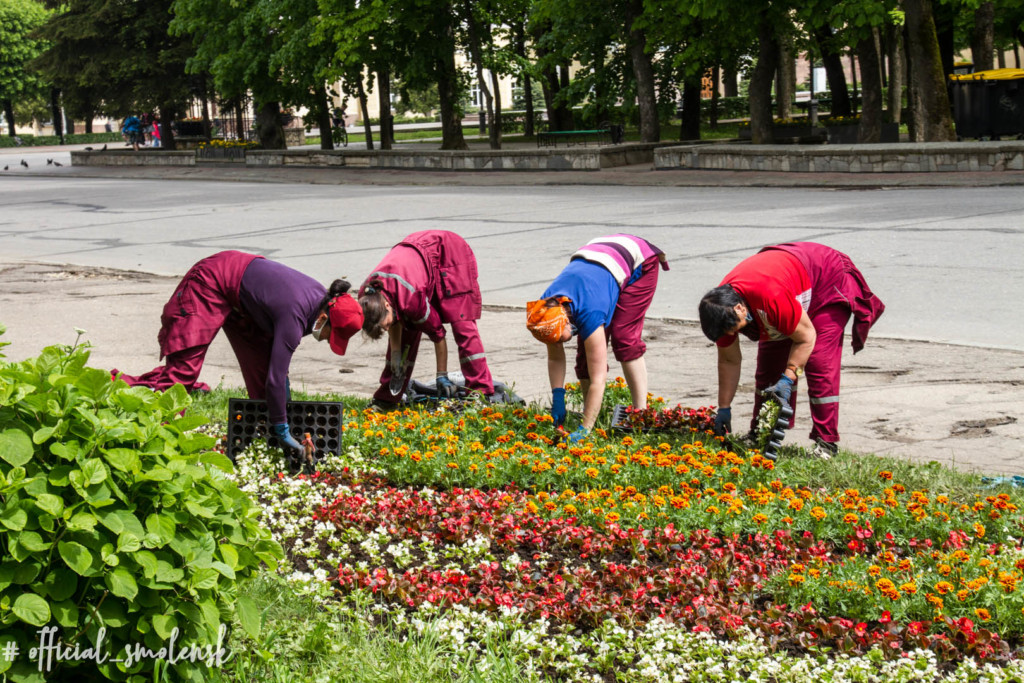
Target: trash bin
(988,104)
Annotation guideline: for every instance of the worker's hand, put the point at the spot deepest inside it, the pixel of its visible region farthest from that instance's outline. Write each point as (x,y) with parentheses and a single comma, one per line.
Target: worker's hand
(445,387)
(578,435)
(289,445)
(781,390)
(558,406)
(723,421)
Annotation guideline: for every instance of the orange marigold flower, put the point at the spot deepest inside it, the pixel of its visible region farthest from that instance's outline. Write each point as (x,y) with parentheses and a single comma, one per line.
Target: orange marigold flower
(979,530)
(850,518)
(944,587)
(874,570)
(713,510)
(796,504)
(909,587)
(796,579)
(818,513)
(982,614)
(885,474)
(878,512)
(591,472)
(760,519)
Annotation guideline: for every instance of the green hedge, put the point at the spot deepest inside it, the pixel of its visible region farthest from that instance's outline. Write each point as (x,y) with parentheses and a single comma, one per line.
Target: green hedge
(51,140)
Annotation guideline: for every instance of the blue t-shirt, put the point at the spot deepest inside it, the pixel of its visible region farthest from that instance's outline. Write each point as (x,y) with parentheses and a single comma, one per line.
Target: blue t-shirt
(593,292)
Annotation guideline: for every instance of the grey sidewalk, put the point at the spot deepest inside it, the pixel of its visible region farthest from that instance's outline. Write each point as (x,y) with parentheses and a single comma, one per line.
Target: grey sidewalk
(636,175)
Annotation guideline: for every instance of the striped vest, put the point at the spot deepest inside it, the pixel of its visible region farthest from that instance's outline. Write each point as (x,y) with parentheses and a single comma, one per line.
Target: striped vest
(619,254)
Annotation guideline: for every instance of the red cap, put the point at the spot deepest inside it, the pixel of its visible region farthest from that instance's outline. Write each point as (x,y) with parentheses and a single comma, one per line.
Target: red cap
(346,318)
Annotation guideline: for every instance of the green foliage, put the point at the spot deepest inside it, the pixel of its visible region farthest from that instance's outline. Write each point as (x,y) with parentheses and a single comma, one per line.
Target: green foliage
(114,515)
(49,140)
(19,20)
(306,639)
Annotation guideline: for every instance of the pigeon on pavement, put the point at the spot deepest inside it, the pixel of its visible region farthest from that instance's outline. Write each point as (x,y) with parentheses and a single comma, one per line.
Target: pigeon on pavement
(49,162)
(57,163)
(24,163)
(104,147)
(88,149)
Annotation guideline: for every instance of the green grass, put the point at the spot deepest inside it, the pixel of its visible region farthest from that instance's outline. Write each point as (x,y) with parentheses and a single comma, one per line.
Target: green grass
(304,639)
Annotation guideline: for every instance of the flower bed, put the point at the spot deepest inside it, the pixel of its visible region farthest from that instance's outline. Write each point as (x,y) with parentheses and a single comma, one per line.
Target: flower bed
(485,516)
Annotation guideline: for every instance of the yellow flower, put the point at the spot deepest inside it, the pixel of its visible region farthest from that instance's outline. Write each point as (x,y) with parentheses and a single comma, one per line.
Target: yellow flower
(818,513)
(982,614)
(759,518)
(591,472)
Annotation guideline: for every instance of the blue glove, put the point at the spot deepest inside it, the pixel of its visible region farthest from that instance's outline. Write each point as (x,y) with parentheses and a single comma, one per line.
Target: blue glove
(445,387)
(781,390)
(558,406)
(723,421)
(289,445)
(578,435)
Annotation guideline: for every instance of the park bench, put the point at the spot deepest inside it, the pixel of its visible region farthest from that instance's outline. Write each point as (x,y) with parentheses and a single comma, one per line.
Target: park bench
(609,133)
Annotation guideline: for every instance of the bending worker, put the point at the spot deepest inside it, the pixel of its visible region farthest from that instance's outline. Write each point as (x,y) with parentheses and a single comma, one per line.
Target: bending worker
(794,300)
(264,308)
(603,294)
(426,280)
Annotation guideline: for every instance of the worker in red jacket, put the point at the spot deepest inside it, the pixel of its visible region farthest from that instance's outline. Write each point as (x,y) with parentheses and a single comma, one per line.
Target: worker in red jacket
(265,309)
(426,280)
(795,300)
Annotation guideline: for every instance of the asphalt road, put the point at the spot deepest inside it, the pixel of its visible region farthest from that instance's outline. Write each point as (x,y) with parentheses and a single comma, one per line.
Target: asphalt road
(947,262)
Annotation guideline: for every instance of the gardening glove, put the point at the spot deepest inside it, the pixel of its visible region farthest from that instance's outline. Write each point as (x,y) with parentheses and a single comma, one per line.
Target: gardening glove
(445,387)
(578,435)
(781,390)
(723,421)
(289,445)
(558,406)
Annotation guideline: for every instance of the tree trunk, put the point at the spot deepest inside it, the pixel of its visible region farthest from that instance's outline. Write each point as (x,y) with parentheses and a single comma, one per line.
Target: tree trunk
(367,126)
(88,122)
(897,66)
(643,72)
(689,129)
(730,88)
(785,89)
(559,113)
(929,81)
(945,17)
(761,132)
(58,118)
(871,83)
(716,74)
(167,115)
(447,89)
(496,133)
(520,36)
(69,124)
(9,115)
(853,83)
(983,37)
(387,122)
(240,121)
(268,126)
(323,118)
(834,72)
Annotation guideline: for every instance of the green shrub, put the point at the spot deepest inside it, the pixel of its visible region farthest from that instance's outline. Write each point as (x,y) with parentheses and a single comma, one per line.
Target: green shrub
(52,140)
(115,515)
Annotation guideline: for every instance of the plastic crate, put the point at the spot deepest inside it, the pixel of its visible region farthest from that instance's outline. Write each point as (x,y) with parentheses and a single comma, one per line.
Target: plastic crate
(247,421)
(620,420)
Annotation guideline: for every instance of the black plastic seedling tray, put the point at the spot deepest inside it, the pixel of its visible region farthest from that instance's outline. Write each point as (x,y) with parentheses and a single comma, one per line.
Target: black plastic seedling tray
(247,421)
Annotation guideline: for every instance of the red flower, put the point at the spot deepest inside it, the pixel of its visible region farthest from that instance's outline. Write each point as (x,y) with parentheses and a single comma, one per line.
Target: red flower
(886,617)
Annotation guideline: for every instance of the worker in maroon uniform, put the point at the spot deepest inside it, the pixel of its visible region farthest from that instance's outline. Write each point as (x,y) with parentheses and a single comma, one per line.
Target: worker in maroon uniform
(426,280)
(265,309)
(795,300)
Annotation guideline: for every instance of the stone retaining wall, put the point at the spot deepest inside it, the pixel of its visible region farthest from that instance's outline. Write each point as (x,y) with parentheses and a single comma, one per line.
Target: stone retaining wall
(127,157)
(899,158)
(558,159)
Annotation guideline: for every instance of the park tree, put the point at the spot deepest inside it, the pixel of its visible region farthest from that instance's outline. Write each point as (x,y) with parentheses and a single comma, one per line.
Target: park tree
(261,48)
(19,20)
(415,40)
(119,56)
(928,96)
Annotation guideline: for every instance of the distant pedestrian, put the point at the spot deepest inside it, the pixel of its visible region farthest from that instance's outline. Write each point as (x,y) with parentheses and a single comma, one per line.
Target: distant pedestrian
(131,129)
